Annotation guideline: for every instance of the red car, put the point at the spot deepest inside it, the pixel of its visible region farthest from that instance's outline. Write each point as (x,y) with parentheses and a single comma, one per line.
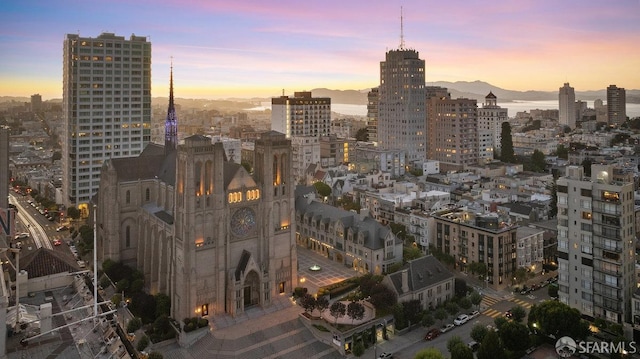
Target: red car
(432,334)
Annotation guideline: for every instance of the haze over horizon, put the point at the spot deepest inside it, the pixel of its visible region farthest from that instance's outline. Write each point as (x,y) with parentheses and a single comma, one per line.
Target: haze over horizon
(260,48)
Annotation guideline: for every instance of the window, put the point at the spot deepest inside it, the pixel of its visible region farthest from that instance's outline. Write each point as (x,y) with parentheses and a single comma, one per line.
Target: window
(128,197)
(147,194)
(127,236)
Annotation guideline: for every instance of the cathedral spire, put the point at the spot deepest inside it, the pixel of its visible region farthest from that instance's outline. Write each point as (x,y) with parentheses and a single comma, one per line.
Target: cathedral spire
(171,125)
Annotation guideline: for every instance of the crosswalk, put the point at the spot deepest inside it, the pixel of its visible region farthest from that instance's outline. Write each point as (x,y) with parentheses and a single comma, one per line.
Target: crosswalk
(488,301)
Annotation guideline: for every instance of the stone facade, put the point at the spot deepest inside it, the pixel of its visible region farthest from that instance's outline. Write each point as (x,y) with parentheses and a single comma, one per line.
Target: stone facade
(213,237)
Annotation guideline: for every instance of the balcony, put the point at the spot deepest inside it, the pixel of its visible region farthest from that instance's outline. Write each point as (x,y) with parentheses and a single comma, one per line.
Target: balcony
(603,284)
(608,247)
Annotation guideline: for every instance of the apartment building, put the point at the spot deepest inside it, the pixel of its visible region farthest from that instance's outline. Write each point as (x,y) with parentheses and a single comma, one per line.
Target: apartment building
(596,241)
(357,241)
(485,238)
(106,104)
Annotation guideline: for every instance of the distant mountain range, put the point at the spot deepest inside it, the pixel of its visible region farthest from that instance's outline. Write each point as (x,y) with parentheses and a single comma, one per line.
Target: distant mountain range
(475,90)
(469,89)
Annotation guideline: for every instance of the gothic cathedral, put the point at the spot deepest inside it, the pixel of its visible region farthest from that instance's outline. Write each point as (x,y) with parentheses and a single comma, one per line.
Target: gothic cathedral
(213,237)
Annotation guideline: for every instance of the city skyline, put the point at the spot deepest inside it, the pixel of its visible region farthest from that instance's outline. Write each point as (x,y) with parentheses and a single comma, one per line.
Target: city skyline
(260,49)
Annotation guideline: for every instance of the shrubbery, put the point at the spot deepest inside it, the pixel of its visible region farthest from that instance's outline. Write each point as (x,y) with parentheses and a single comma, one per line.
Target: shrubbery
(191,324)
(133,325)
(339,288)
(143,343)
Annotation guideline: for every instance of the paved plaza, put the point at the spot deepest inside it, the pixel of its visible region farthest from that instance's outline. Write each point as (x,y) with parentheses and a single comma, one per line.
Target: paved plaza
(330,272)
(271,332)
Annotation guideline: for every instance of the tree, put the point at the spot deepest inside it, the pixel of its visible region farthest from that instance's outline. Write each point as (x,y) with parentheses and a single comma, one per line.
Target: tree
(163,305)
(322,303)
(514,336)
(538,163)
(308,302)
(323,189)
(478,268)
(429,353)
(499,322)
(143,343)
(452,308)
(453,341)
(441,314)
(478,332)
(520,274)
(552,290)
(410,253)
(355,310)
(506,143)
(490,348)
(73,213)
(475,299)
(367,283)
(460,287)
(412,310)
(464,303)
(382,297)
(461,351)
(358,348)
(398,316)
(427,320)
(562,152)
(337,310)
(555,318)
(362,135)
(518,313)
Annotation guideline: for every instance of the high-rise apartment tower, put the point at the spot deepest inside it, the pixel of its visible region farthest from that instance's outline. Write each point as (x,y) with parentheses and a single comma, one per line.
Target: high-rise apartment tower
(567,103)
(401,104)
(453,129)
(616,105)
(106,105)
(596,242)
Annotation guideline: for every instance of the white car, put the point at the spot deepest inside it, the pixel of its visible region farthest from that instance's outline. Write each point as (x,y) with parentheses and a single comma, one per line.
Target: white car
(447,327)
(474,314)
(461,319)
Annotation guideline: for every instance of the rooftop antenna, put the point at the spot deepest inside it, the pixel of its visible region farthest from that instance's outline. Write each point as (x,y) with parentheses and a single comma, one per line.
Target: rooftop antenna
(401,30)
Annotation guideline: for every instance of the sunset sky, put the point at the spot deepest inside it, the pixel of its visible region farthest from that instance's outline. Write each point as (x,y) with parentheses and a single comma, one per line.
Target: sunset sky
(248,48)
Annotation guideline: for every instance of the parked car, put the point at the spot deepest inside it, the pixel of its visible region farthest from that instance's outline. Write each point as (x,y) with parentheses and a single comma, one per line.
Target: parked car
(474,314)
(525,290)
(385,355)
(432,334)
(62,228)
(22,235)
(461,319)
(447,327)
(57,242)
(473,345)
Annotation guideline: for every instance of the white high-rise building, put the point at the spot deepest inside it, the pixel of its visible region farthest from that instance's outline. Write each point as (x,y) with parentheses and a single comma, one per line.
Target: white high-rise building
(567,102)
(402,104)
(596,241)
(301,115)
(490,119)
(106,105)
